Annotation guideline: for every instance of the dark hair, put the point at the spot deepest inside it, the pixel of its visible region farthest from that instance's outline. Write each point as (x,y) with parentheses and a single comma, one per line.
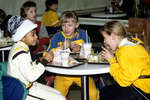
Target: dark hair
(49,3)
(2,14)
(25,7)
(67,15)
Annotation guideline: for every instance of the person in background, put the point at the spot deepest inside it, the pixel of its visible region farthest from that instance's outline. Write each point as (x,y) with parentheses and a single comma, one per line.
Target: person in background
(70,37)
(20,64)
(4,30)
(4,22)
(28,10)
(50,17)
(147,4)
(130,69)
(127,6)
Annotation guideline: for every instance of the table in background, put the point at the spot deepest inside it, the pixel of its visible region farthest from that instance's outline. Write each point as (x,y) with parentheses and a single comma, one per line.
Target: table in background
(5,48)
(98,21)
(82,70)
(105,15)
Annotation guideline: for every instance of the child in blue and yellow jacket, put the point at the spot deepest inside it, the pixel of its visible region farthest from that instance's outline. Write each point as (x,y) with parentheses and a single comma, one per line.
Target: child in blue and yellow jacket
(74,39)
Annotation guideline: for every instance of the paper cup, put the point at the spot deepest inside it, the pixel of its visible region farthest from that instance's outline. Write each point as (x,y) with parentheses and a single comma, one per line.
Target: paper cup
(1,33)
(65,59)
(3,41)
(57,57)
(87,49)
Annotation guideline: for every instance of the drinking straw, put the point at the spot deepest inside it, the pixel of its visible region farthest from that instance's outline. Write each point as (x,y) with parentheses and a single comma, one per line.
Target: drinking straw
(86,37)
(65,44)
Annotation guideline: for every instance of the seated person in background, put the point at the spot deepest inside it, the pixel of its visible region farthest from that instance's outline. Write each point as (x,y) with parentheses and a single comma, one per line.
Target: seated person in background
(50,17)
(130,69)
(74,39)
(126,6)
(20,64)
(4,22)
(28,10)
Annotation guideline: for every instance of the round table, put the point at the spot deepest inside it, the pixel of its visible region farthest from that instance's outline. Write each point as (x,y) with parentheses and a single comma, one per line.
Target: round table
(104,15)
(84,71)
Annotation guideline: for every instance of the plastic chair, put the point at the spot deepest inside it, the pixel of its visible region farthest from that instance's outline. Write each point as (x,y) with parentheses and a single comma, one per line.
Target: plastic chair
(1,86)
(11,84)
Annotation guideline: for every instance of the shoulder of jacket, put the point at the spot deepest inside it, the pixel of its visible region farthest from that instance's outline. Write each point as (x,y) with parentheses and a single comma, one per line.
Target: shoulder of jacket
(20,48)
(58,34)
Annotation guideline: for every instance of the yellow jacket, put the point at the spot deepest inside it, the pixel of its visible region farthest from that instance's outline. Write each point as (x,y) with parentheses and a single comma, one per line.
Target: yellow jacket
(131,61)
(50,18)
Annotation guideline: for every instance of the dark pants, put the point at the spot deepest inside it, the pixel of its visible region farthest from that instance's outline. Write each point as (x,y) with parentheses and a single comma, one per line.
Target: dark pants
(115,92)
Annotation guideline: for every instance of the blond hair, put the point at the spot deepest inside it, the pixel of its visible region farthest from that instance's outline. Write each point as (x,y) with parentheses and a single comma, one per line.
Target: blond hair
(115,27)
(67,16)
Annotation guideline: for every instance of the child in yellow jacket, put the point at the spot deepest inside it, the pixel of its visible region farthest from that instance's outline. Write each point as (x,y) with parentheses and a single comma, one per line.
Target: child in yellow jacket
(50,16)
(130,67)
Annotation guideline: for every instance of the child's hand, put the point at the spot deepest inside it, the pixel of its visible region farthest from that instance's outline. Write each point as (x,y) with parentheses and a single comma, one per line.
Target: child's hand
(75,47)
(49,56)
(67,44)
(106,54)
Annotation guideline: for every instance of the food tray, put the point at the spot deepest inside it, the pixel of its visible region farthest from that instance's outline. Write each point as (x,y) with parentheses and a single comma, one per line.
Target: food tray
(69,66)
(97,62)
(78,58)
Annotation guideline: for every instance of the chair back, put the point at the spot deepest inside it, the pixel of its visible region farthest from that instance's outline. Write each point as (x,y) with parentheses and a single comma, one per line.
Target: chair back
(137,28)
(16,86)
(3,68)
(147,35)
(140,28)
(1,86)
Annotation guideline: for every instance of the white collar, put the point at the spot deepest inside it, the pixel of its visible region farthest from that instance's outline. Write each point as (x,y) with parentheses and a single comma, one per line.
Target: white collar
(126,42)
(23,44)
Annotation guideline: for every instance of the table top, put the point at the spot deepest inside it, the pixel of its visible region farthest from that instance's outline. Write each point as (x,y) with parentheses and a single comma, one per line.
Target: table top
(99,21)
(6,47)
(104,15)
(85,69)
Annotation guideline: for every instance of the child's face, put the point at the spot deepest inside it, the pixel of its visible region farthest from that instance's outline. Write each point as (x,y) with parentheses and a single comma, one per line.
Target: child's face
(69,27)
(31,13)
(110,40)
(53,7)
(30,38)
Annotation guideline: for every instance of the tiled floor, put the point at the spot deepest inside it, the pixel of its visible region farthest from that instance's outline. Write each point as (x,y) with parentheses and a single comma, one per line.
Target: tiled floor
(75,95)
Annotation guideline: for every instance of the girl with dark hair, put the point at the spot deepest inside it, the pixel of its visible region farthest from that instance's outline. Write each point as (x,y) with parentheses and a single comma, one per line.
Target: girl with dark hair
(28,10)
